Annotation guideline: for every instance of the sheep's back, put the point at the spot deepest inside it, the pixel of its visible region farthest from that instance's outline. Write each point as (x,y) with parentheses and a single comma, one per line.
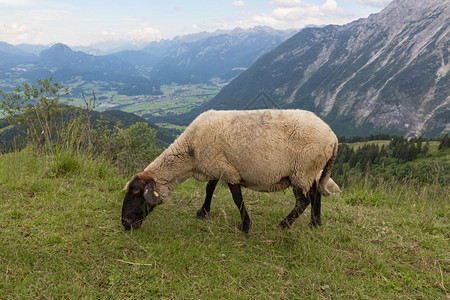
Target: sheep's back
(260,147)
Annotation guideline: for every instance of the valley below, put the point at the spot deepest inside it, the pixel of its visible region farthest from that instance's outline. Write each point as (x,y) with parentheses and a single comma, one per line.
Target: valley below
(174,99)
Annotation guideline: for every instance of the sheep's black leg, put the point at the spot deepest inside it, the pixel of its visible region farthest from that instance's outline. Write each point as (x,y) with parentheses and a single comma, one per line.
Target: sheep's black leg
(210,187)
(316,203)
(301,203)
(237,197)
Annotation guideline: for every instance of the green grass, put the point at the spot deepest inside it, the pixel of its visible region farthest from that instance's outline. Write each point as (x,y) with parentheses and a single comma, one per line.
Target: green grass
(376,142)
(171,126)
(433,145)
(432,167)
(177,99)
(61,237)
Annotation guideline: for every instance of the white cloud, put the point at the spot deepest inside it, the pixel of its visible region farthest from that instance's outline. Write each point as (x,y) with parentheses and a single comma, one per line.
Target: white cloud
(286,3)
(109,34)
(14,33)
(31,26)
(296,13)
(374,3)
(146,34)
(239,3)
(330,5)
(293,13)
(135,36)
(15,2)
(265,19)
(132,29)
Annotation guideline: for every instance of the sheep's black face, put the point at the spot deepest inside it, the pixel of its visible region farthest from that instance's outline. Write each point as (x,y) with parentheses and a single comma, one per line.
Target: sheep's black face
(134,208)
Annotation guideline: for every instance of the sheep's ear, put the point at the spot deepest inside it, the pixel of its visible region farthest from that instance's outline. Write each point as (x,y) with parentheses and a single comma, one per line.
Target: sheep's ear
(151,195)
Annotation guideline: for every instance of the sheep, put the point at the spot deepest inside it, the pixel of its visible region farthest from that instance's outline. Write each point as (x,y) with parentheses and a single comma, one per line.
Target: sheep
(263,150)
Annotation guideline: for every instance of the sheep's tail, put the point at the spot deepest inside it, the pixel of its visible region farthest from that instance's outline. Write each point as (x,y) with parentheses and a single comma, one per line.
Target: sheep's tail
(326,173)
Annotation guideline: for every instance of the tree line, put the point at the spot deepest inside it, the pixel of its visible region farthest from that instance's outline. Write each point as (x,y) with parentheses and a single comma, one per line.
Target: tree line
(381,157)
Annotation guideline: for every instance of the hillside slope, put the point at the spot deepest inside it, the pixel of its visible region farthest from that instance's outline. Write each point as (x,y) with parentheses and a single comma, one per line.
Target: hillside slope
(164,136)
(61,237)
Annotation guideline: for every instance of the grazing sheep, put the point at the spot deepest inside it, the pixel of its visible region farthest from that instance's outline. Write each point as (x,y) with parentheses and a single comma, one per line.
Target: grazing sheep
(263,150)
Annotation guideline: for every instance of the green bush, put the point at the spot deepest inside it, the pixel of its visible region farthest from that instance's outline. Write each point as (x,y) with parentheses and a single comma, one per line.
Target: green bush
(131,149)
(54,128)
(38,107)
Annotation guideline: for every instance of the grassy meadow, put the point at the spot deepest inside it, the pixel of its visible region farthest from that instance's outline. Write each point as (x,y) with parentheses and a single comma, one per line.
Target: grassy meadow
(61,237)
(175,99)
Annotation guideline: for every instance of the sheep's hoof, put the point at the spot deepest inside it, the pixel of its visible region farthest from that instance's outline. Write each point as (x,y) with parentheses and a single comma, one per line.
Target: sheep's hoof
(284,225)
(315,223)
(245,229)
(245,226)
(201,213)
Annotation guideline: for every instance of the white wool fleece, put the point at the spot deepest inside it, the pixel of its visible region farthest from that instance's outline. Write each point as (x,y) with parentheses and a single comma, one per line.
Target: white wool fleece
(264,150)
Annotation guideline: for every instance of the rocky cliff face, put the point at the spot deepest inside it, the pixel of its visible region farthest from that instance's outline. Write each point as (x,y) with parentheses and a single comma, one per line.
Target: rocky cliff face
(388,72)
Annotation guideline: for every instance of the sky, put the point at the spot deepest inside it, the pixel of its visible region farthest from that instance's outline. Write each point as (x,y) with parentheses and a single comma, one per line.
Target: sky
(85,22)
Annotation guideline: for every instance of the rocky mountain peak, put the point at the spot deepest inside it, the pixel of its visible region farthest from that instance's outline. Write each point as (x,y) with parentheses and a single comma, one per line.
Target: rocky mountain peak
(400,14)
(388,72)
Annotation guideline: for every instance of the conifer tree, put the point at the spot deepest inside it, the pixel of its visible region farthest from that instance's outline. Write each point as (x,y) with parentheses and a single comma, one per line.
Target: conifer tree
(426,147)
(352,161)
(445,143)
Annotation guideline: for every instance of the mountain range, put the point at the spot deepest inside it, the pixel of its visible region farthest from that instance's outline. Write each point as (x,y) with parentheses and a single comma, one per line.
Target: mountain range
(195,58)
(220,55)
(11,56)
(385,73)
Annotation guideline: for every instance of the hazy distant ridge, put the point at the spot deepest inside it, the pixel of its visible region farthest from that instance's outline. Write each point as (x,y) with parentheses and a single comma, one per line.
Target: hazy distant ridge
(217,56)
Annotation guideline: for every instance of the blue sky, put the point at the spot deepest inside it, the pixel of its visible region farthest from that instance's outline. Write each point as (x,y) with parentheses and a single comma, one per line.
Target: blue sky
(83,22)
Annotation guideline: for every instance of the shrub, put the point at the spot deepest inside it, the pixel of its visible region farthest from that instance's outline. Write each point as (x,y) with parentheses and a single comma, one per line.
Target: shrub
(131,149)
(55,128)
(38,107)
